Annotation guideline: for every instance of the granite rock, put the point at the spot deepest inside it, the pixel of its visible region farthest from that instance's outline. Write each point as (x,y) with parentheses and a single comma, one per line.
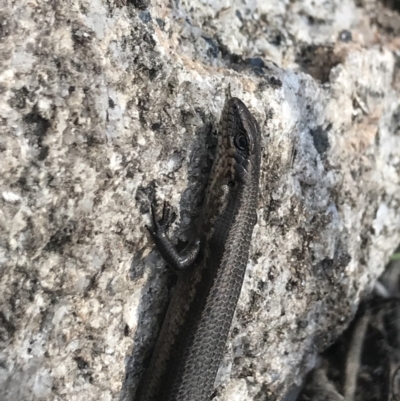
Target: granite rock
(107,105)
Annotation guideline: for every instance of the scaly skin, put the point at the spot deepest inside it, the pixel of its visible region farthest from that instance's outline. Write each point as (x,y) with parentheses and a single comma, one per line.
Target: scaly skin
(190,345)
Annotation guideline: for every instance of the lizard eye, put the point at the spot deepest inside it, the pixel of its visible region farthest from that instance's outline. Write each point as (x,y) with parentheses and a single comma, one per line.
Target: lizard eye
(240,142)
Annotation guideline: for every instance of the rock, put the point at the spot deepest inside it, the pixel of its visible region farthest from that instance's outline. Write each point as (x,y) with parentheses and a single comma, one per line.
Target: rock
(106,105)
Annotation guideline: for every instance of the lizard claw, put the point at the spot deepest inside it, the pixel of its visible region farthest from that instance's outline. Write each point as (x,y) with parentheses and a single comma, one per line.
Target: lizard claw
(159,225)
(166,215)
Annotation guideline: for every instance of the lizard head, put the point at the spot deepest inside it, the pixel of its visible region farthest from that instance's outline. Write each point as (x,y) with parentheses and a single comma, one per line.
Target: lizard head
(239,141)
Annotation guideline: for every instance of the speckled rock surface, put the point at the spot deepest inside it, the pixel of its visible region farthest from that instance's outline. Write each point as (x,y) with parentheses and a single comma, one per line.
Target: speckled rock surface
(105,105)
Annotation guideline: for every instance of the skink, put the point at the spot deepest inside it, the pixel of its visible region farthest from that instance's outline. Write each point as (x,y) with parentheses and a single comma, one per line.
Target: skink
(210,270)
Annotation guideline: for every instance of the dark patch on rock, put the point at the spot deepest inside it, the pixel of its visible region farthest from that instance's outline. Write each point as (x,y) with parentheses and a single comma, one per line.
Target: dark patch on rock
(239,15)
(82,35)
(83,366)
(145,16)
(81,363)
(325,268)
(254,64)
(18,101)
(37,127)
(276,37)
(345,36)
(61,237)
(317,61)
(140,4)
(392,4)
(387,17)
(275,82)
(395,121)
(161,23)
(213,48)
(148,38)
(7,329)
(5,27)
(145,196)
(44,152)
(156,126)
(329,268)
(237,63)
(320,139)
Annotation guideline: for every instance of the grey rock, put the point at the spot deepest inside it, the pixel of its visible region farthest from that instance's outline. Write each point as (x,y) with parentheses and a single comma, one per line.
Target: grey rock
(105,105)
